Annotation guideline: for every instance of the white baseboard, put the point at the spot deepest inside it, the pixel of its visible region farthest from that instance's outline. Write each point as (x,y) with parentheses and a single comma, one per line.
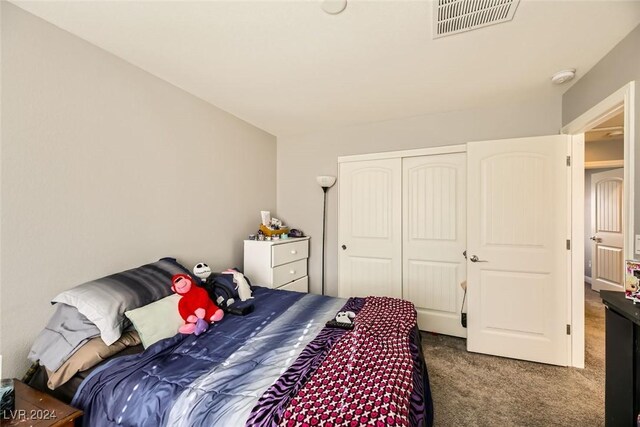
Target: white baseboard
(587,279)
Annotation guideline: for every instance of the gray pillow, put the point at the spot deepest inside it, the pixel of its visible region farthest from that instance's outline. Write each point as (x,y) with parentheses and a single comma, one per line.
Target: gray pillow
(66,332)
(104,301)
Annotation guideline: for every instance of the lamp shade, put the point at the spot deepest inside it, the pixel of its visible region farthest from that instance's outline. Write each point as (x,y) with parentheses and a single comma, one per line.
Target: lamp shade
(326,181)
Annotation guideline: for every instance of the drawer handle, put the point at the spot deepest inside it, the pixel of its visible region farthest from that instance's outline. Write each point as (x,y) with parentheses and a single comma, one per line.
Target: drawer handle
(293,252)
(292,272)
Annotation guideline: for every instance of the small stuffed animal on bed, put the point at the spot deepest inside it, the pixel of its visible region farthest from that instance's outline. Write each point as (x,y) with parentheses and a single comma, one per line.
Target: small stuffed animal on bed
(343,320)
(202,271)
(345,317)
(195,306)
(244,290)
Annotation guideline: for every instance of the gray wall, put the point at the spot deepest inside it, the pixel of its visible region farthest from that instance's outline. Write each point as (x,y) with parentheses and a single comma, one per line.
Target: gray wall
(301,158)
(620,66)
(106,167)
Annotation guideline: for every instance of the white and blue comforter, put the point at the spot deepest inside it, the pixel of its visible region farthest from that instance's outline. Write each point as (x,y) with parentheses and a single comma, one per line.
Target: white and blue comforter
(211,380)
(233,374)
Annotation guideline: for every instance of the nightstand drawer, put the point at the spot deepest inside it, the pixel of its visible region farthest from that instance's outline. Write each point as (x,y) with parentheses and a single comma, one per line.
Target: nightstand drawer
(300,285)
(289,272)
(289,252)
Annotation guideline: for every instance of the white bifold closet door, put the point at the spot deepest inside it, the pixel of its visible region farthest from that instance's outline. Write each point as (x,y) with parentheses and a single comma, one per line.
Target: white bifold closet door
(434,239)
(403,225)
(370,229)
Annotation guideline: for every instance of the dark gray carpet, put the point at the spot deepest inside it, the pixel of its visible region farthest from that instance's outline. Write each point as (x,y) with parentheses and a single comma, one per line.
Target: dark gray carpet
(477,390)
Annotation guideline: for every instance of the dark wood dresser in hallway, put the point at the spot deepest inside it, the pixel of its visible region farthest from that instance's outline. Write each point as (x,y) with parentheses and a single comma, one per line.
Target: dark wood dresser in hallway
(622,382)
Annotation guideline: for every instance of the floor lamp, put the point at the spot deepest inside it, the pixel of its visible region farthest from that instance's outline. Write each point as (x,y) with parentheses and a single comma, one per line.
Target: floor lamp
(326,182)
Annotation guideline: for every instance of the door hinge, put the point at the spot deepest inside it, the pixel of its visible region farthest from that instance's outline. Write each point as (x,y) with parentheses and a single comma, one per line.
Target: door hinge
(568,160)
(568,244)
(568,329)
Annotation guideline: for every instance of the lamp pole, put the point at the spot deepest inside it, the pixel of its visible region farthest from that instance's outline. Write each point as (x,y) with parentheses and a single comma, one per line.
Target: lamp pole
(326,182)
(324,230)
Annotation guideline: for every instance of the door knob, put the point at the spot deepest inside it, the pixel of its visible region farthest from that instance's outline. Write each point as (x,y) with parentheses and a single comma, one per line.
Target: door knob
(474,258)
(344,247)
(595,238)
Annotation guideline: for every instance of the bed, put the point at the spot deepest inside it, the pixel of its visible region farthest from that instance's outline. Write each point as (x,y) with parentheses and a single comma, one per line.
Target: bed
(280,365)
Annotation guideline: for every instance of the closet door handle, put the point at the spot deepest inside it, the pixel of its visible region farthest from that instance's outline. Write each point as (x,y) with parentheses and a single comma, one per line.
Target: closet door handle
(474,258)
(344,247)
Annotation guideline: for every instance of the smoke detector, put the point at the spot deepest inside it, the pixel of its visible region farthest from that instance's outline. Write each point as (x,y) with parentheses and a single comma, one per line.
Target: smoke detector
(456,16)
(563,76)
(334,7)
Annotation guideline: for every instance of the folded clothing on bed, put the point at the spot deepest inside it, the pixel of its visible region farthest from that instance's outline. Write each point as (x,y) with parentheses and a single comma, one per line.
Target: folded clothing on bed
(65,333)
(224,292)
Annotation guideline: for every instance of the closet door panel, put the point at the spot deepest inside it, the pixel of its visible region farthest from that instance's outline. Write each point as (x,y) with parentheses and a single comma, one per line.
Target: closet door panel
(434,239)
(370,239)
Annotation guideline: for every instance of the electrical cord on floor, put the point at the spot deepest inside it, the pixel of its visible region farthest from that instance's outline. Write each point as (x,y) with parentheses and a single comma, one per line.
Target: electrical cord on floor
(463,316)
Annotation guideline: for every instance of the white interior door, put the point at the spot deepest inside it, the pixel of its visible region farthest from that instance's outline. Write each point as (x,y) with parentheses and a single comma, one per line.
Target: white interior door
(607,237)
(434,239)
(518,224)
(370,229)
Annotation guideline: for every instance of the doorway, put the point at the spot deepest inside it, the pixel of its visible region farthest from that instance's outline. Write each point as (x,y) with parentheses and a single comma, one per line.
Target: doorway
(604,235)
(604,231)
(620,102)
(604,207)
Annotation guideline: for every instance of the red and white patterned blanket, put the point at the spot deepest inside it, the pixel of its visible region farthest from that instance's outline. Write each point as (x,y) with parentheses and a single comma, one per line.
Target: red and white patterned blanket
(367,377)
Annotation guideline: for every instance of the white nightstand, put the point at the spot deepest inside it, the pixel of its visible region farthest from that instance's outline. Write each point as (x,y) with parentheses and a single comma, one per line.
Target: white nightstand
(280,264)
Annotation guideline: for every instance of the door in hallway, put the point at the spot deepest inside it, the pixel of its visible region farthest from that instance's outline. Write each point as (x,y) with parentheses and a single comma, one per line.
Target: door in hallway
(607,237)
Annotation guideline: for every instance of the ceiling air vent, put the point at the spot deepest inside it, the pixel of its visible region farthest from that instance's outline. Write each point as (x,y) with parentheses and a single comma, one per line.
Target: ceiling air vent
(456,16)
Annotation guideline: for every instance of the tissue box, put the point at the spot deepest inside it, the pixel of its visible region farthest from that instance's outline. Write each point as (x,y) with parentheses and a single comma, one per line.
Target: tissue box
(7,398)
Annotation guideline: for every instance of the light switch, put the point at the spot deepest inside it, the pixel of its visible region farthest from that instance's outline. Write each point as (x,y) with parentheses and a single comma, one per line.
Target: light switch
(637,244)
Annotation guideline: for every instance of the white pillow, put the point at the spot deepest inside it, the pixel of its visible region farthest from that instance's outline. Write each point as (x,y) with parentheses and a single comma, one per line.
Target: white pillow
(157,321)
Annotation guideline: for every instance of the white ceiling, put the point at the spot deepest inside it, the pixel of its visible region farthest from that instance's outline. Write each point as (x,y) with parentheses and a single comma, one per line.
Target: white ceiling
(288,67)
